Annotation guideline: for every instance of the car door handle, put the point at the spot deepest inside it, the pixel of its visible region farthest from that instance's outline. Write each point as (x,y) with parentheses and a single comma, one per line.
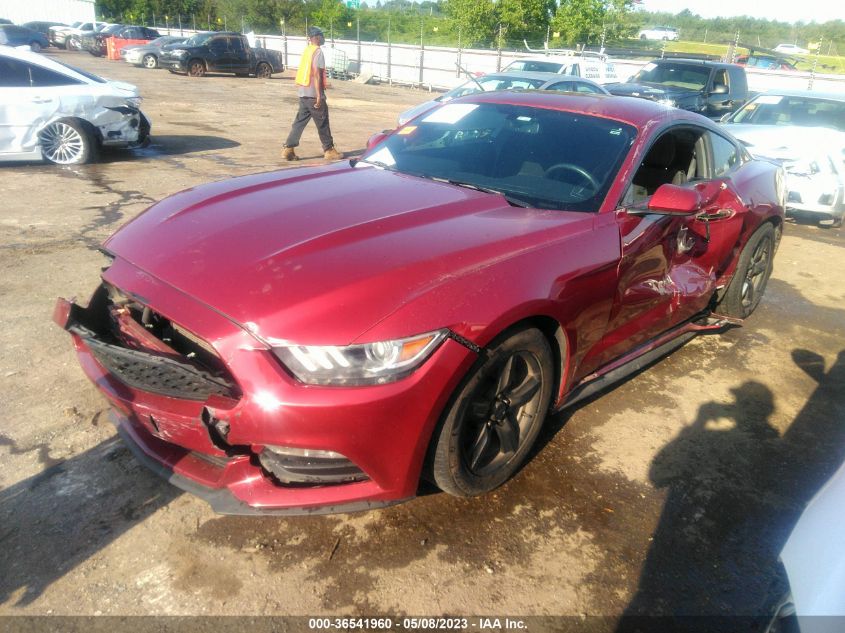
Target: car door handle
(40,100)
(714,214)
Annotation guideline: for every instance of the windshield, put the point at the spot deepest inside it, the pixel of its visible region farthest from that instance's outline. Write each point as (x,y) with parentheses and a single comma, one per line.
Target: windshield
(166,39)
(801,111)
(493,83)
(532,66)
(84,73)
(676,75)
(199,39)
(536,157)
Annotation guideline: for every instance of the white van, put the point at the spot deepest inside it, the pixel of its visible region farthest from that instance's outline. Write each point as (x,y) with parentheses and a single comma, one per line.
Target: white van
(595,66)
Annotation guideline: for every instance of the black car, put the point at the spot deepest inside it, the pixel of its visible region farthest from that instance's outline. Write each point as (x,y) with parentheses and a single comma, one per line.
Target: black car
(12,35)
(223,52)
(709,88)
(96,44)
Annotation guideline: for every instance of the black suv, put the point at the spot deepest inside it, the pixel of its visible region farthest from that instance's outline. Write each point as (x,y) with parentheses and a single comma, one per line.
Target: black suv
(709,88)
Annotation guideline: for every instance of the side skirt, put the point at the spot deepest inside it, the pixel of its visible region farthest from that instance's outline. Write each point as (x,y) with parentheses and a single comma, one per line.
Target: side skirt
(644,355)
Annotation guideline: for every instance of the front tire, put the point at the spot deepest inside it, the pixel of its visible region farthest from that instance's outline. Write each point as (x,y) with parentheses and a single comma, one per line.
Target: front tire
(752,274)
(67,142)
(494,417)
(196,68)
(149,61)
(35,47)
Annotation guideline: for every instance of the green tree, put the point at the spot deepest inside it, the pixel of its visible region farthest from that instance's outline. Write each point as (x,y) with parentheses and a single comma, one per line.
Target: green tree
(475,20)
(524,19)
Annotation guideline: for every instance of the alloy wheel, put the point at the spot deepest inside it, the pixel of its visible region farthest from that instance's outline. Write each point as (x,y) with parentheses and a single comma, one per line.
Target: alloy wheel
(62,143)
(500,412)
(756,274)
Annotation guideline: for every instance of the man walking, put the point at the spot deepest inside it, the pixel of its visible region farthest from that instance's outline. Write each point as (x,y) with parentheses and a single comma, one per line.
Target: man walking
(311,87)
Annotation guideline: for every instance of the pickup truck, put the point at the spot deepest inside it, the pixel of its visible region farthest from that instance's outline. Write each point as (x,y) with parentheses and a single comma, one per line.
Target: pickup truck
(709,88)
(221,52)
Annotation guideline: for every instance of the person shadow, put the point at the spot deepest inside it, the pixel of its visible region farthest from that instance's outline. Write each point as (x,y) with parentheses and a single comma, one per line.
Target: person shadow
(734,490)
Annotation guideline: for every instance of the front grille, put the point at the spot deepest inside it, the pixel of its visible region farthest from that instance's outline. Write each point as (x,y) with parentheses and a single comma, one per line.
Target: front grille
(153,373)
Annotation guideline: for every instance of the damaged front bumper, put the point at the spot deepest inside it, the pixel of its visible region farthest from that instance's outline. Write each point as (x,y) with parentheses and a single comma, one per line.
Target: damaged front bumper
(246,436)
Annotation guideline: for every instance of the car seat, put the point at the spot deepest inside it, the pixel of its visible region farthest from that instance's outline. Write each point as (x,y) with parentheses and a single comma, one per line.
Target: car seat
(659,166)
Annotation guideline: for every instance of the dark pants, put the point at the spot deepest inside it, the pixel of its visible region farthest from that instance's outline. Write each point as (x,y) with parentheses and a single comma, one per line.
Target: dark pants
(307,111)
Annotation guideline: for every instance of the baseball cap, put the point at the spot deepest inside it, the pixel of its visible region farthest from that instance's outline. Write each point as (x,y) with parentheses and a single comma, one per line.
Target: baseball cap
(314,31)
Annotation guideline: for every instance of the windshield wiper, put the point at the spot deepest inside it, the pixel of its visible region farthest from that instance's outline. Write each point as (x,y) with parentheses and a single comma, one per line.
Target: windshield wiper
(469,185)
(375,163)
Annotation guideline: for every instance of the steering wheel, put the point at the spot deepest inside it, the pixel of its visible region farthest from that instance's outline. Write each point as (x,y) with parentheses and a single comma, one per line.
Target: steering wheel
(578,170)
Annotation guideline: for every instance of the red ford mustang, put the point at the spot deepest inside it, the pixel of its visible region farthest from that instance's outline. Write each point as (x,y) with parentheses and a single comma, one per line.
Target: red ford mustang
(318,339)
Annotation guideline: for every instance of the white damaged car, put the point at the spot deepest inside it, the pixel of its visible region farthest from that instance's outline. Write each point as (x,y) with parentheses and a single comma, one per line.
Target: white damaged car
(805,132)
(61,114)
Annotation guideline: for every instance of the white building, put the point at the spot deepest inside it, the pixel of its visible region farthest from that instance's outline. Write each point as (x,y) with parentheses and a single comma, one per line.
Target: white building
(66,11)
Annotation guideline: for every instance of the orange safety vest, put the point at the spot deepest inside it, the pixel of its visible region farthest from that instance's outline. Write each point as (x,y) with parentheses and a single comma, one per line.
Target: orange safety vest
(303,73)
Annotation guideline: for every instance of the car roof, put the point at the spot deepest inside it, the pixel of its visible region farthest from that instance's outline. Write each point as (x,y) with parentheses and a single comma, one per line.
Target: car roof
(526,74)
(632,110)
(688,61)
(809,94)
(40,60)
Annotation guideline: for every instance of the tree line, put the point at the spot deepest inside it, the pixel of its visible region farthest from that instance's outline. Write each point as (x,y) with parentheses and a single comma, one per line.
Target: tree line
(468,23)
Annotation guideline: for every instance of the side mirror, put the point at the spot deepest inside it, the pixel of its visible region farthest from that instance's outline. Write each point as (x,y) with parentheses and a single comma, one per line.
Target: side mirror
(719,89)
(675,200)
(377,138)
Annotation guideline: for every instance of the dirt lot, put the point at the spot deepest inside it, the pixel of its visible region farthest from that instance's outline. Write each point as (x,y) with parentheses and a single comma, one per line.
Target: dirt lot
(672,493)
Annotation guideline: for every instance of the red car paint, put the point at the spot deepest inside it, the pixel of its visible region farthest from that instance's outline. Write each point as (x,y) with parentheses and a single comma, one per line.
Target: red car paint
(340,255)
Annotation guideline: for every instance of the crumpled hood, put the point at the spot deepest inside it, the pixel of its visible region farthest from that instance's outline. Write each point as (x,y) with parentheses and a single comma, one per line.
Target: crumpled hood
(308,253)
(655,92)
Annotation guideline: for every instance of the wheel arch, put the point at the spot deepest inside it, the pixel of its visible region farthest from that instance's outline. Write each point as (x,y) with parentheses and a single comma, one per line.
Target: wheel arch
(558,340)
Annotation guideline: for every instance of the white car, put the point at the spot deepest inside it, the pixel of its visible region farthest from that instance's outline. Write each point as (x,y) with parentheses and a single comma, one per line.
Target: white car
(805,132)
(594,66)
(70,36)
(659,33)
(790,49)
(62,114)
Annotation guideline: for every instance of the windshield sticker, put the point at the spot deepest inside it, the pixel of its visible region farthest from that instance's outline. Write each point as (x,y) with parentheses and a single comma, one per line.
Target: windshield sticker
(407,130)
(616,131)
(769,99)
(451,113)
(382,156)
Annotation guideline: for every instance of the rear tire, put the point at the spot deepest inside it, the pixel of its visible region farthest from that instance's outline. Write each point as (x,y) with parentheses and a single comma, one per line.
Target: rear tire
(494,416)
(263,71)
(752,274)
(35,47)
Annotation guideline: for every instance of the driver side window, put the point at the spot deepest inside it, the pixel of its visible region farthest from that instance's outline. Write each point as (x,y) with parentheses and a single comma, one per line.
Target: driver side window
(674,159)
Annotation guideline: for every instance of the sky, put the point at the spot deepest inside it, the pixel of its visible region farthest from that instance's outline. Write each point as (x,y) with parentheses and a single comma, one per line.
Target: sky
(781,10)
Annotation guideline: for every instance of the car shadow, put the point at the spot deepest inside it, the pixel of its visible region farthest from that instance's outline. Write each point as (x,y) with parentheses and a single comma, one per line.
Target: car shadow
(734,489)
(170,145)
(55,520)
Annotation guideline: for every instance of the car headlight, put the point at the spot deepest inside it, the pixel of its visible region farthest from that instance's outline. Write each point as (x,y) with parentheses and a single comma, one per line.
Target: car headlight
(178,52)
(667,102)
(135,102)
(368,364)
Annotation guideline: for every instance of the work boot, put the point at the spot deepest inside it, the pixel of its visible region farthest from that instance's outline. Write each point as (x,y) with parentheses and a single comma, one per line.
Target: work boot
(332,154)
(289,154)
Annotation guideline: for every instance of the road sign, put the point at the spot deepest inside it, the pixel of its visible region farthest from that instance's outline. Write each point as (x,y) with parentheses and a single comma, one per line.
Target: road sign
(353,4)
